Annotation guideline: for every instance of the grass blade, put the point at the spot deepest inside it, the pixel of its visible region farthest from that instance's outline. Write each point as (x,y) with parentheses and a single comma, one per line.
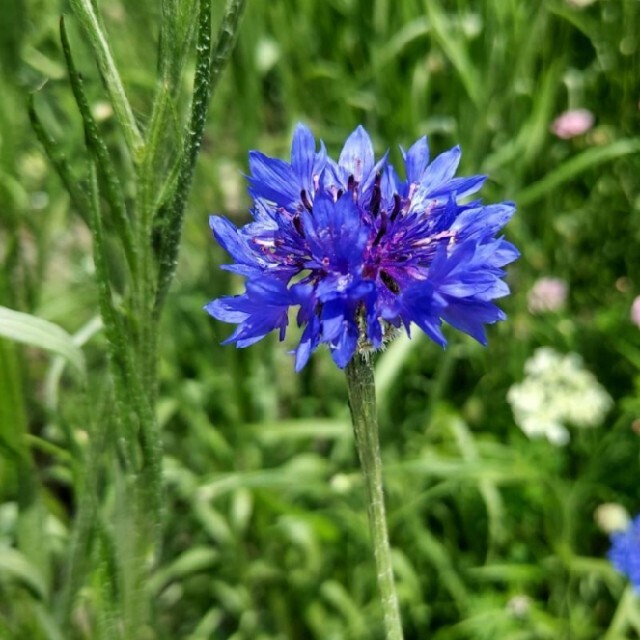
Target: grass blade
(575,166)
(37,332)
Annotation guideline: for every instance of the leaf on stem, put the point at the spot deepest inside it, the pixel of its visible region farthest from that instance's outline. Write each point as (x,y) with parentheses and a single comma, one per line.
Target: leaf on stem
(96,145)
(209,65)
(60,163)
(87,14)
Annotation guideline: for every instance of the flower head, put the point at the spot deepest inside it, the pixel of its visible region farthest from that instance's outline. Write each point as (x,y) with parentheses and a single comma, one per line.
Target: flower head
(361,251)
(635,312)
(611,517)
(572,123)
(625,552)
(557,390)
(547,294)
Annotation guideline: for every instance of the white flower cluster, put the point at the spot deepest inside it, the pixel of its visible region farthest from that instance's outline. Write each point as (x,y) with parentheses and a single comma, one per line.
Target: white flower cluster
(557,390)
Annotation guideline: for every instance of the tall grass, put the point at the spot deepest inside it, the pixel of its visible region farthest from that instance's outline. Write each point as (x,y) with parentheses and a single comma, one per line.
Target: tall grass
(263,530)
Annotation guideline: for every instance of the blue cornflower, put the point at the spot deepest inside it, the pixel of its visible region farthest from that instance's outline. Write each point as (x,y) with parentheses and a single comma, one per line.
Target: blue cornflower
(360,251)
(625,552)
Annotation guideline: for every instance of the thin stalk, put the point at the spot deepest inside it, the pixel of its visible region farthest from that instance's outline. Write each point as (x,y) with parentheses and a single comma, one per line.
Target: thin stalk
(362,403)
(625,614)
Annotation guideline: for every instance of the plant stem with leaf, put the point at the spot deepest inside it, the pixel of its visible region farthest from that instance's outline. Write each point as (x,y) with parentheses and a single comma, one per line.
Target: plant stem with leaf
(146,228)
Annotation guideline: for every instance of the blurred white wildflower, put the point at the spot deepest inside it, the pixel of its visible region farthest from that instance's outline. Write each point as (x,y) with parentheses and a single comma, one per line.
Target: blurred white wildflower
(557,391)
(519,606)
(611,517)
(341,483)
(102,110)
(635,312)
(547,294)
(267,55)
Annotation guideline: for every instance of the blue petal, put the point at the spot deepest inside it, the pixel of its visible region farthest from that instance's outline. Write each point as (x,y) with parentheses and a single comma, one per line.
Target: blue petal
(625,552)
(224,309)
(460,187)
(273,179)
(505,254)
(483,221)
(261,309)
(416,160)
(308,342)
(357,156)
(303,157)
(345,348)
(335,234)
(390,184)
(475,283)
(226,233)
(419,305)
(441,170)
(470,316)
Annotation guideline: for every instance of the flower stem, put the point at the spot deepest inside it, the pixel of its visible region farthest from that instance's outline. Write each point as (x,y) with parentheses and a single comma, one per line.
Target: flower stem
(362,402)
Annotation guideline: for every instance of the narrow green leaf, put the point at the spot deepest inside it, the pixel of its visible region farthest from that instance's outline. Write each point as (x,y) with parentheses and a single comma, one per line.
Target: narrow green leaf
(492,497)
(17,465)
(227,36)
(575,166)
(178,18)
(59,162)
(209,67)
(299,429)
(113,326)
(37,332)
(453,46)
(525,147)
(335,593)
(390,363)
(112,189)
(17,567)
(87,14)
(164,119)
(54,373)
(194,560)
(13,420)
(47,624)
(169,221)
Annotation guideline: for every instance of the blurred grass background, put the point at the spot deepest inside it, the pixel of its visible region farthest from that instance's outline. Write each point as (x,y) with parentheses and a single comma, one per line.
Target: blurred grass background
(265,531)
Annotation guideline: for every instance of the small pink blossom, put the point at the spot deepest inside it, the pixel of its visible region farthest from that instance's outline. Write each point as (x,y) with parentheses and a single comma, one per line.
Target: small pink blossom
(572,123)
(635,312)
(547,294)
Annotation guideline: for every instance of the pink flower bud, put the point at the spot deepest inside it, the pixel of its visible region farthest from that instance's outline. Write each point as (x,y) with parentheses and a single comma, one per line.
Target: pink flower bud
(635,312)
(547,294)
(572,123)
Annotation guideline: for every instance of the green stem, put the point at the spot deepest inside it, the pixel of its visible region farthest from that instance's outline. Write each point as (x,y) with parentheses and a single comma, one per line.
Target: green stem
(624,615)
(362,402)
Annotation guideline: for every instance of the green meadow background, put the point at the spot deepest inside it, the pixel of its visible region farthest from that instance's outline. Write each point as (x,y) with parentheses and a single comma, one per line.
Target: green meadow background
(264,534)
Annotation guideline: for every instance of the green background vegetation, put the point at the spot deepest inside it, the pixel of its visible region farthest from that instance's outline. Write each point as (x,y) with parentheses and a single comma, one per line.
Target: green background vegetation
(264,533)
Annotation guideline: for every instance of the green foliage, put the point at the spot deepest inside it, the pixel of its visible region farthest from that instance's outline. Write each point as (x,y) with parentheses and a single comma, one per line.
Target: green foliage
(264,532)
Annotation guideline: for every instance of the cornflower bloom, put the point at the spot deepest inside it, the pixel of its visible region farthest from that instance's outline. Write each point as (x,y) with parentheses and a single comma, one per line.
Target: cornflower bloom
(625,552)
(362,252)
